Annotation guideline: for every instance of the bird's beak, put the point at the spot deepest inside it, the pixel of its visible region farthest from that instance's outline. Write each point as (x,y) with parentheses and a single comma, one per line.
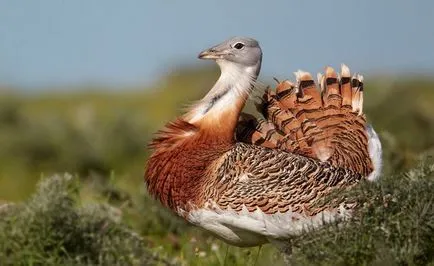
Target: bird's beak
(210,54)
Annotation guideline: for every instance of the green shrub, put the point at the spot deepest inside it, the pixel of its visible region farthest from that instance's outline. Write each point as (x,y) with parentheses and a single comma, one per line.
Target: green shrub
(51,228)
(393,226)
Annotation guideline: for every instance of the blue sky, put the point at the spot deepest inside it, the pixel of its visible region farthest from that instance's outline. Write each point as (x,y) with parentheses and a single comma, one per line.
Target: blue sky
(133,42)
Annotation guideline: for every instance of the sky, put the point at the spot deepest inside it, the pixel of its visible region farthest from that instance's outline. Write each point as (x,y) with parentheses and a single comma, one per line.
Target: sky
(132,42)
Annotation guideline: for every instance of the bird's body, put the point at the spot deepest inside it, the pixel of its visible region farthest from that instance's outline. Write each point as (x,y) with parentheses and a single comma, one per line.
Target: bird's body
(265,185)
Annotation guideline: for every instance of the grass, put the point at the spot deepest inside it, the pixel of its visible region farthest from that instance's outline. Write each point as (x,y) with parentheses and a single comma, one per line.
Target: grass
(100,137)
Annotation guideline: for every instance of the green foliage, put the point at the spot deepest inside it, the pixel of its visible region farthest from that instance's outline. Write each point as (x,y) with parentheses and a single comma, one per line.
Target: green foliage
(52,229)
(402,112)
(393,226)
(88,133)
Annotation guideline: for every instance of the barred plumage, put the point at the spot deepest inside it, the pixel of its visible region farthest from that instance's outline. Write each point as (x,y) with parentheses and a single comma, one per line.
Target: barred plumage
(327,125)
(308,144)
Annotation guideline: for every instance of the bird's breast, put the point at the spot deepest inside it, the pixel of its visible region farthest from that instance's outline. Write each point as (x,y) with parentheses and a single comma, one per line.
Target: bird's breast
(179,176)
(251,228)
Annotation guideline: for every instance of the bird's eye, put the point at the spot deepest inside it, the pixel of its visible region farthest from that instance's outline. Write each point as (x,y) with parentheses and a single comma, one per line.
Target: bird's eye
(238,45)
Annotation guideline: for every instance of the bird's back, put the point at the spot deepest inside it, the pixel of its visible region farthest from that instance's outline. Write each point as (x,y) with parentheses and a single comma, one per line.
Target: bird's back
(273,182)
(325,123)
(268,183)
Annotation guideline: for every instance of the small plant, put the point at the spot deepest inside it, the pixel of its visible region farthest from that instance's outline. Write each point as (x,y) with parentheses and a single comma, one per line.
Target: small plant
(51,228)
(393,226)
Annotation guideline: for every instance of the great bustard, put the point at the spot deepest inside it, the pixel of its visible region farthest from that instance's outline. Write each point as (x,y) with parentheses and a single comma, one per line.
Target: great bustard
(250,181)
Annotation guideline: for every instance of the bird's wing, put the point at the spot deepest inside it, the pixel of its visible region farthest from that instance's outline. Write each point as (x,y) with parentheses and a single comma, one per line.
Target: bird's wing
(276,181)
(327,124)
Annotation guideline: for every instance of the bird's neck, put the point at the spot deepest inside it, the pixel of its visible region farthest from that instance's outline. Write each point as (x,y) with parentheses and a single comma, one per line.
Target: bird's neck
(217,113)
(188,147)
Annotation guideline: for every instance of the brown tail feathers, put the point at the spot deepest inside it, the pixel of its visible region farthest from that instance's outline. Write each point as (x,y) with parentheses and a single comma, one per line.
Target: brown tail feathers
(327,123)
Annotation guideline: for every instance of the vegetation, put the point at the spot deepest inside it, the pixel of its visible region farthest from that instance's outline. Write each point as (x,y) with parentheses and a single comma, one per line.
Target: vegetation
(104,216)
(51,229)
(394,226)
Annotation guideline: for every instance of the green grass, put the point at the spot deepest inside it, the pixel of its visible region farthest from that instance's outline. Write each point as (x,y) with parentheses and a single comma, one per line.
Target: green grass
(101,138)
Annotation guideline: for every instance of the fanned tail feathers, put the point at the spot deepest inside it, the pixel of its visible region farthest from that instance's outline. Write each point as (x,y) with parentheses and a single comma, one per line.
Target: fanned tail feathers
(326,123)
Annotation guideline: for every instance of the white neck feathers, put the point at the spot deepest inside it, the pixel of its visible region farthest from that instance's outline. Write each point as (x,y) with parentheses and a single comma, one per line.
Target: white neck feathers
(234,85)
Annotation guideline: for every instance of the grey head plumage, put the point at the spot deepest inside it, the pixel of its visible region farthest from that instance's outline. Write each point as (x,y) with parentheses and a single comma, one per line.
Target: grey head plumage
(239,59)
(240,50)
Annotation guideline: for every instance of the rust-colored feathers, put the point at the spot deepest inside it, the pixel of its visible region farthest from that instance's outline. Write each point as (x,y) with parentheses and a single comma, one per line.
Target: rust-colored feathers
(324,123)
(267,183)
(257,180)
(171,134)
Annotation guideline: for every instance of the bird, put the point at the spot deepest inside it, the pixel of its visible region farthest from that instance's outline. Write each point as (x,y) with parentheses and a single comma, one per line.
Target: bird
(252,180)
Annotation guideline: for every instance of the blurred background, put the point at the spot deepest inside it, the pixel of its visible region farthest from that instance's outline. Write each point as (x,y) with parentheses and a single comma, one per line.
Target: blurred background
(85,84)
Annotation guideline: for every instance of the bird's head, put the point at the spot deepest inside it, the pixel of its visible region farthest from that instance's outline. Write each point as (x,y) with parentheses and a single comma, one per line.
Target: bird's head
(239,59)
(239,50)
